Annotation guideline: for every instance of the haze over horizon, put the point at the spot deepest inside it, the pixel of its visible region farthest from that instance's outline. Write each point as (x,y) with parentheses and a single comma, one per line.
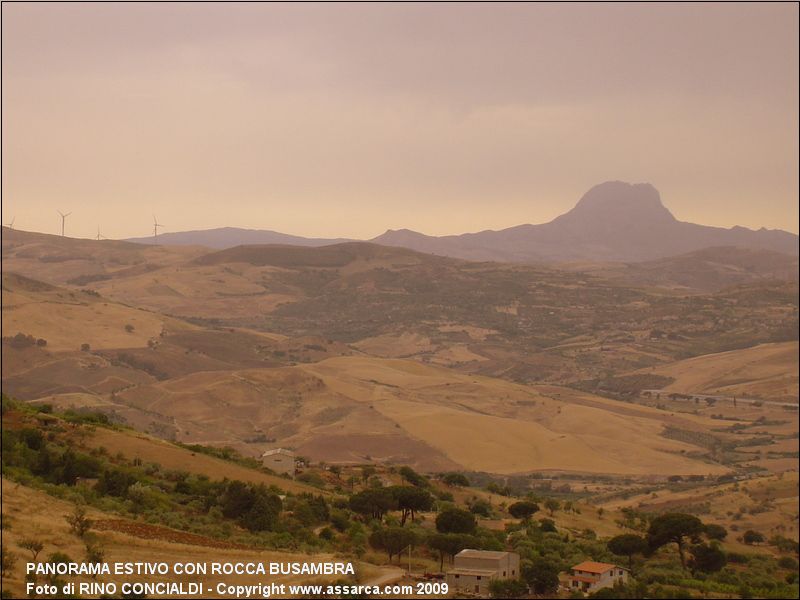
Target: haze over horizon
(347,120)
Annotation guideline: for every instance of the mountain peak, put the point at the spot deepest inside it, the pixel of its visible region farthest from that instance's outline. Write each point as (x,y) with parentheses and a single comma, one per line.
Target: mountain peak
(620,202)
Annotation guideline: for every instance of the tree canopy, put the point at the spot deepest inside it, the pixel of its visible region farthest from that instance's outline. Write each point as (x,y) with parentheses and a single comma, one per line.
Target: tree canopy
(455,520)
(523,509)
(627,544)
(673,528)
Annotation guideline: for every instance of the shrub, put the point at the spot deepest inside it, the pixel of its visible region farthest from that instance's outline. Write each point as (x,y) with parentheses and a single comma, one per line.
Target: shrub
(78,522)
(751,537)
(455,480)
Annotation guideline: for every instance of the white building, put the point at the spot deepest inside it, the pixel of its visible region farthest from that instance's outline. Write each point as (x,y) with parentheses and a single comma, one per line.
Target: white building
(475,569)
(590,576)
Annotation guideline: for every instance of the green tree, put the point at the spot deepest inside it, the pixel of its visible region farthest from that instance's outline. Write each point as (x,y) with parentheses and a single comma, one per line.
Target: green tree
(7,562)
(751,537)
(392,540)
(414,478)
(541,575)
(673,528)
(78,522)
(715,532)
(481,508)
(237,500)
(547,526)
(32,546)
(523,510)
(449,544)
(627,544)
(507,588)
(552,505)
(411,500)
(455,520)
(264,513)
(707,558)
(455,480)
(367,471)
(373,502)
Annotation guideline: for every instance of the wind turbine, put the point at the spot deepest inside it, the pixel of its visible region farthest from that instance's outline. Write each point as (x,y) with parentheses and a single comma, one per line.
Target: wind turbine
(156,225)
(99,235)
(63,218)
(11,225)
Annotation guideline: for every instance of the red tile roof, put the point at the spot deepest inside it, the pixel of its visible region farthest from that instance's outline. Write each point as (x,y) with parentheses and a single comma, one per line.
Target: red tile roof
(594,567)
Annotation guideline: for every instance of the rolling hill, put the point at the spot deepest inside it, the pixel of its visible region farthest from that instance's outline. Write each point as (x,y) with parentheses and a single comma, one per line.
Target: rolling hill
(357,352)
(706,270)
(766,371)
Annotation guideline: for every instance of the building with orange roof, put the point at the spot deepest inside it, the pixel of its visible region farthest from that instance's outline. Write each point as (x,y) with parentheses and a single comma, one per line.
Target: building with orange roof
(590,576)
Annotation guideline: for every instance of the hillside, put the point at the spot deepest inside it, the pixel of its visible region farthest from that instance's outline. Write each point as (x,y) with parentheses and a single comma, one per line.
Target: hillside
(767,372)
(228,237)
(33,515)
(358,352)
(707,270)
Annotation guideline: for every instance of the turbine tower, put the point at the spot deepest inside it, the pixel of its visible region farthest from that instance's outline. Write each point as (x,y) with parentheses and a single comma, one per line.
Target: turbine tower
(11,225)
(156,225)
(99,235)
(63,218)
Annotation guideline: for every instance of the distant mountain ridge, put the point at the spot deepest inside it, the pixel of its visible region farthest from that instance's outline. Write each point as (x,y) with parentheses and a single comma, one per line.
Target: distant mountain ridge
(228,237)
(613,221)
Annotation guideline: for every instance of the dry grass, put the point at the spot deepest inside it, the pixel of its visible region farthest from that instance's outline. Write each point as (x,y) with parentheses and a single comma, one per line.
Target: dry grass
(767,505)
(510,428)
(68,319)
(33,514)
(767,371)
(149,449)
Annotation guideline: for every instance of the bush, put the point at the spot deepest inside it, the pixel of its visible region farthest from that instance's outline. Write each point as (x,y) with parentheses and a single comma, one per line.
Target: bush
(507,588)
(481,508)
(715,532)
(455,480)
(523,510)
(541,575)
(79,523)
(7,562)
(751,537)
(414,478)
(547,526)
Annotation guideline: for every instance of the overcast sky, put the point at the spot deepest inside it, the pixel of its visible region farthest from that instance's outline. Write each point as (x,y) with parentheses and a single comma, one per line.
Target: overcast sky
(346,120)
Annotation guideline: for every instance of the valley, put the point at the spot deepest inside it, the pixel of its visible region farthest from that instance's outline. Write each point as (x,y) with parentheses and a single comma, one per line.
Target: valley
(601,386)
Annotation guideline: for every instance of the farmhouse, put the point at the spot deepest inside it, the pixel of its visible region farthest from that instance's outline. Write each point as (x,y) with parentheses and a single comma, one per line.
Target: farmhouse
(279,460)
(591,576)
(474,569)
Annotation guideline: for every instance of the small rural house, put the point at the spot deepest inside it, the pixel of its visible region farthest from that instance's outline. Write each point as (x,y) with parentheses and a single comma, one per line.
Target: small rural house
(474,569)
(591,576)
(279,460)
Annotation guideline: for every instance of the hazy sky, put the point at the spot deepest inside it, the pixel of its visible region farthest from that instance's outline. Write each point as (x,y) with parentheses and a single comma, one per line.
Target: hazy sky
(346,120)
